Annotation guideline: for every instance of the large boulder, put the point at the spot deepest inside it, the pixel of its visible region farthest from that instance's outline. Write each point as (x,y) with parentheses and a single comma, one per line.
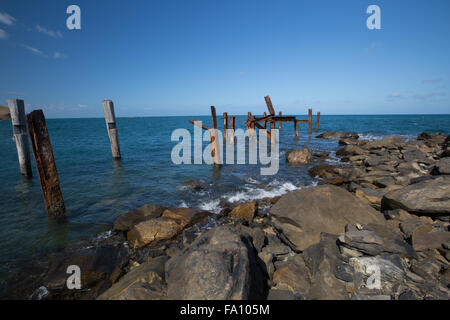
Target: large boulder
(429,197)
(299,156)
(153,231)
(144,282)
(338,135)
(302,215)
(220,264)
(432,138)
(126,221)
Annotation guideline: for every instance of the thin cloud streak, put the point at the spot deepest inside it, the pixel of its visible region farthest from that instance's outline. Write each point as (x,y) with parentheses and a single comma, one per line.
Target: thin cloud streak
(7,19)
(48,32)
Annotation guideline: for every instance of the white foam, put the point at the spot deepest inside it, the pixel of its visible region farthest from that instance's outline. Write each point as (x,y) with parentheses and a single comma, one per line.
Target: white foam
(211,206)
(258,193)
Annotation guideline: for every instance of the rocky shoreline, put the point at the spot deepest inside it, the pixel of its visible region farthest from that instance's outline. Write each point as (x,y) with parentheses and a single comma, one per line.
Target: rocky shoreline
(376,227)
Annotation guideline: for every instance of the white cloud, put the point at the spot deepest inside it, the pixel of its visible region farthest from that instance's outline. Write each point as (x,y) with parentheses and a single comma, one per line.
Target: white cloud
(429,96)
(35,51)
(7,19)
(432,81)
(59,55)
(3,34)
(48,32)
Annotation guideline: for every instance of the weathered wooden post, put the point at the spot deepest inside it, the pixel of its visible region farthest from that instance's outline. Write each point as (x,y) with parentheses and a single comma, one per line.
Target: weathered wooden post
(317,121)
(225,126)
(265,121)
(233,128)
(214,138)
(296,128)
(45,164)
(279,126)
(110,117)
(272,132)
(309,121)
(20,135)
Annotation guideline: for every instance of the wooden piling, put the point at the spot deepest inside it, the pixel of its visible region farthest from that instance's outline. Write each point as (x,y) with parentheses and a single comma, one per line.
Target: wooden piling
(279,125)
(45,164)
(265,121)
(110,118)
(225,126)
(20,135)
(214,138)
(272,132)
(309,121)
(317,121)
(296,128)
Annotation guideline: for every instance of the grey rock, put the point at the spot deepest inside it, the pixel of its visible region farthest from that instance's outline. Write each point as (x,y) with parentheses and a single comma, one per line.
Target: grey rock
(126,221)
(299,156)
(338,135)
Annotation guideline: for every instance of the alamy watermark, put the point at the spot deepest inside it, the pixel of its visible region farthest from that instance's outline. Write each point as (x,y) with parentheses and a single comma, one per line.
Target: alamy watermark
(257,146)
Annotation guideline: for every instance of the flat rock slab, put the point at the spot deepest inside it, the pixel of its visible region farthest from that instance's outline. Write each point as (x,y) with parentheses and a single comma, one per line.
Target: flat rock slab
(338,135)
(218,265)
(152,231)
(184,216)
(302,215)
(430,197)
(442,166)
(126,221)
(430,240)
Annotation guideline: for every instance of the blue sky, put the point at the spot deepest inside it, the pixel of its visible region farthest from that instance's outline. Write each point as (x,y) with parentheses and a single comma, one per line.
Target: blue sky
(165,57)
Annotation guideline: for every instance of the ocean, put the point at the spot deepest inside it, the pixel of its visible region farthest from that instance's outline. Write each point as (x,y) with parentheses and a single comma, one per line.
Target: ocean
(97,189)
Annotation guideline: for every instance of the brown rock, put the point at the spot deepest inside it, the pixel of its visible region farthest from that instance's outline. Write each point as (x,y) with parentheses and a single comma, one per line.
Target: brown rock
(152,231)
(184,216)
(431,240)
(244,211)
(299,156)
(126,221)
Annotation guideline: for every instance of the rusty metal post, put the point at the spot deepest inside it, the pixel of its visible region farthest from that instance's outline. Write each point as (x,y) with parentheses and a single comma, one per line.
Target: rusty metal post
(225,126)
(45,164)
(317,121)
(215,149)
(309,121)
(110,118)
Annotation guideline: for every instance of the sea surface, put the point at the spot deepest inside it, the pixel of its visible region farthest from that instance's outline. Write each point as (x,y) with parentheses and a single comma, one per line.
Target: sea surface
(97,189)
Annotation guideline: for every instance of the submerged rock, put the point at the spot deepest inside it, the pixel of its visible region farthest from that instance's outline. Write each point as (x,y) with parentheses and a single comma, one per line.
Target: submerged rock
(302,215)
(299,156)
(338,135)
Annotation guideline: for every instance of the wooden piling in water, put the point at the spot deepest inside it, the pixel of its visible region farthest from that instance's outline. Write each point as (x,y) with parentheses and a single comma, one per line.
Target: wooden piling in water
(225,126)
(45,164)
(272,132)
(279,125)
(309,121)
(110,118)
(317,121)
(214,138)
(265,121)
(269,105)
(20,135)
(296,128)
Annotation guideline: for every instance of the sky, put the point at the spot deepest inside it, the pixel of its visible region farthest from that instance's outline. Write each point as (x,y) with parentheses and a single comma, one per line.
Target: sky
(169,58)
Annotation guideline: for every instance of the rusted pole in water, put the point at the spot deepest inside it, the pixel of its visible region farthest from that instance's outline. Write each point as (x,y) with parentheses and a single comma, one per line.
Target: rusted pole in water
(265,121)
(233,128)
(279,126)
(269,105)
(317,121)
(296,128)
(272,132)
(214,138)
(309,121)
(20,135)
(110,118)
(225,126)
(45,164)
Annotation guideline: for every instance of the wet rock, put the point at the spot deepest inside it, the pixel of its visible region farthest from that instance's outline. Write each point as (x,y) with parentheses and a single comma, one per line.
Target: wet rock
(144,282)
(126,221)
(389,143)
(346,141)
(336,181)
(302,215)
(324,171)
(350,150)
(184,216)
(220,264)
(432,139)
(338,135)
(194,184)
(299,156)
(431,240)
(153,231)
(430,197)
(244,211)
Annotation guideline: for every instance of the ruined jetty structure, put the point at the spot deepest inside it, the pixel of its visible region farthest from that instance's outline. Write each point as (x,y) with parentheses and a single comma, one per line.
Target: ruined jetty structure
(252,122)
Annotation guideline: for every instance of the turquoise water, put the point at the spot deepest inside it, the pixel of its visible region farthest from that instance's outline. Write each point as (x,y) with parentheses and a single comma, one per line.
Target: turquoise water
(97,189)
